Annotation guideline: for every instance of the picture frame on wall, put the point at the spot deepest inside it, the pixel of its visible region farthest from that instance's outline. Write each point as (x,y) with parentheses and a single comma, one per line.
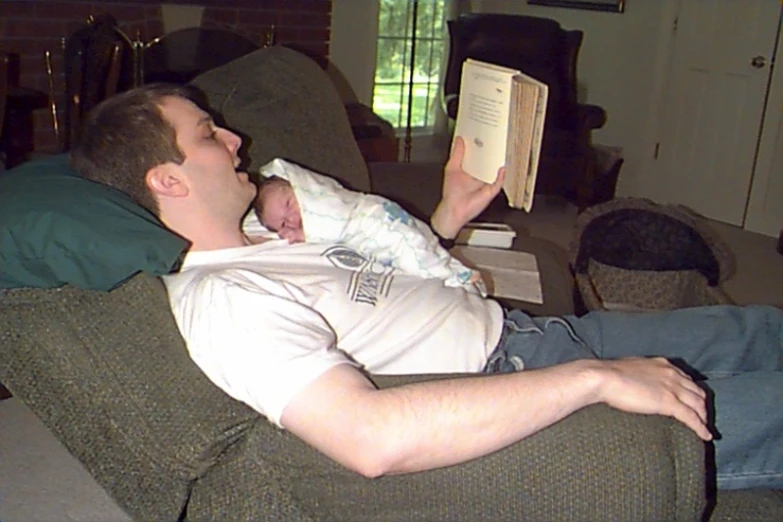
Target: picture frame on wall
(614,6)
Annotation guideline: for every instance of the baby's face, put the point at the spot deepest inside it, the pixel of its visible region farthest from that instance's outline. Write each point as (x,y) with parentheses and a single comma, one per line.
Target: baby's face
(280,212)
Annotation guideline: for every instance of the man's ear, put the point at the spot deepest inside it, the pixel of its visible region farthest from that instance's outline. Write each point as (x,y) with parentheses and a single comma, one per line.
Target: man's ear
(165,180)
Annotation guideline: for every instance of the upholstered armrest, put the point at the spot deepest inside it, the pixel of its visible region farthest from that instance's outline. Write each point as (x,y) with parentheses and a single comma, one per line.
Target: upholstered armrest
(415,186)
(598,464)
(590,116)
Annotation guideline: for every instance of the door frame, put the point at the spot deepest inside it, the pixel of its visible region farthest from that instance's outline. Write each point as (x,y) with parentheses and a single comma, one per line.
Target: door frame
(764,193)
(764,212)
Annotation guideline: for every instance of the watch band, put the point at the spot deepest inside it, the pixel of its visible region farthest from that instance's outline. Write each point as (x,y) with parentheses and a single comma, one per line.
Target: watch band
(448,244)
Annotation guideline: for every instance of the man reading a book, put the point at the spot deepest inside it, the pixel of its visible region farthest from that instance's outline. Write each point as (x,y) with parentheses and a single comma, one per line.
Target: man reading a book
(292,329)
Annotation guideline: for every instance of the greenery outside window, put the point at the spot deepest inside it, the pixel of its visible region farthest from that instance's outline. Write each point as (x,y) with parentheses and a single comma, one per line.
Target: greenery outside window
(391,91)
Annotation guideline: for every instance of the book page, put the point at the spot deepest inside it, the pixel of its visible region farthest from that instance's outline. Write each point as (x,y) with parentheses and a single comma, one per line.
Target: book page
(507,273)
(539,119)
(482,117)
(518,155)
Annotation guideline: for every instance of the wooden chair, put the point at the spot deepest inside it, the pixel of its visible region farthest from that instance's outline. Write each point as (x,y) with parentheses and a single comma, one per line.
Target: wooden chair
(4,66)
(9,77)
(93,66)
(541,48)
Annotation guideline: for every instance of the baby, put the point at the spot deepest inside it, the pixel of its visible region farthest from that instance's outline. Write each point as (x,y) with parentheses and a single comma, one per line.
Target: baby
(278,209)
(301,205)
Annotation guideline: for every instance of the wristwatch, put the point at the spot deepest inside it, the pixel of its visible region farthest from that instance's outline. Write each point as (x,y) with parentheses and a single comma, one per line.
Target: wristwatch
(448,244)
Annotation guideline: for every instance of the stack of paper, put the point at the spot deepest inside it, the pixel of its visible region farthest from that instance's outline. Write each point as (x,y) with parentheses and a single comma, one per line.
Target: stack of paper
(507,273)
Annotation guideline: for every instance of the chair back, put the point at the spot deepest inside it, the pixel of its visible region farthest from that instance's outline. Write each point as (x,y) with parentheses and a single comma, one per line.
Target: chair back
(9,77)
(94,59)
(4,66)
(538,47)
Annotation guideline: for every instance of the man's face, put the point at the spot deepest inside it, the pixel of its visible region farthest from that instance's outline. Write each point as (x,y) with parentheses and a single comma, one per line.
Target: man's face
(210,159)
(281,212)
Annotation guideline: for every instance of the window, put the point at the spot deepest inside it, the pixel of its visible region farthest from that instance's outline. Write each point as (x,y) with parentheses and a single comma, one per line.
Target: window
(391,89)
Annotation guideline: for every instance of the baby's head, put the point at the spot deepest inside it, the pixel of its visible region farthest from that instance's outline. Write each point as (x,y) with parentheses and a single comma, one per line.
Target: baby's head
(278,209)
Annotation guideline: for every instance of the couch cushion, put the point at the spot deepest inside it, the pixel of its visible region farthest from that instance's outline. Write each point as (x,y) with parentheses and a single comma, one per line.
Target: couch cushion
(636,290)
(58,228)
(109,375)
(285,106)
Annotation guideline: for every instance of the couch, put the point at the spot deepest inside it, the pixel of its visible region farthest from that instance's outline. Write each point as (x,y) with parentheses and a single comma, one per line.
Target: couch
(109,375)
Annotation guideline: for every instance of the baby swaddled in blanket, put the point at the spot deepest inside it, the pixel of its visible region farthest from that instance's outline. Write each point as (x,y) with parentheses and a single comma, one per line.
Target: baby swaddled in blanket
(301,205)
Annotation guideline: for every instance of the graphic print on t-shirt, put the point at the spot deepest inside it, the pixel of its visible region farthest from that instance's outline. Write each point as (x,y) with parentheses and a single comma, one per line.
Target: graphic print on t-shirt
(370,279)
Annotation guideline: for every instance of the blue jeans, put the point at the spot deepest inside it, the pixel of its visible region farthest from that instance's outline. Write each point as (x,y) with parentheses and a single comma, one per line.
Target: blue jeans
(736,353)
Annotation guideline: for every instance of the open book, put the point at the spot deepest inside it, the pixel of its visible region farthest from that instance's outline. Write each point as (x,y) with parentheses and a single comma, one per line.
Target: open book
(501,118)
(507,273)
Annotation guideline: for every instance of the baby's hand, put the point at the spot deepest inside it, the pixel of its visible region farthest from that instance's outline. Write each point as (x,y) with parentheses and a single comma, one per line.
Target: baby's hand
(292,235)
(478,283)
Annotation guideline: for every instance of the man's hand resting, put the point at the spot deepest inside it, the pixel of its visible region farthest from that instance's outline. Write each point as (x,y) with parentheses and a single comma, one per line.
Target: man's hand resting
(463,197)
(654,386)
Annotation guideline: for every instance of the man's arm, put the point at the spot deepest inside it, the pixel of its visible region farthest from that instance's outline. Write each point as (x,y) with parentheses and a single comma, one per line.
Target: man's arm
(463,197)
(432,424)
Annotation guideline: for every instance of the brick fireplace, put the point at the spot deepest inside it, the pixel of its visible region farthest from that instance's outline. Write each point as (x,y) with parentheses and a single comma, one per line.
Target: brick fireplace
(32,27)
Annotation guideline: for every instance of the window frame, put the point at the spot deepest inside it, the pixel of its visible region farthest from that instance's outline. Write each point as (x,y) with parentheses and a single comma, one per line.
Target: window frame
(426,88)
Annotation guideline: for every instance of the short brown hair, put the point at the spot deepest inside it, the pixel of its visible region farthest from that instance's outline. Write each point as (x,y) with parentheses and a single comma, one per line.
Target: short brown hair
(127,135)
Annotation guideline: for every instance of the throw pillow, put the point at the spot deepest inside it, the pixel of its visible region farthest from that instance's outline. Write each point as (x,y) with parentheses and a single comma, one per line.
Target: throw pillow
(58,228)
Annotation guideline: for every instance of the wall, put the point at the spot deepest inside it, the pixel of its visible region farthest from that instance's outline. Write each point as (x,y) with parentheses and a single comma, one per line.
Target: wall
(352,48)
(621,64)
(31,27)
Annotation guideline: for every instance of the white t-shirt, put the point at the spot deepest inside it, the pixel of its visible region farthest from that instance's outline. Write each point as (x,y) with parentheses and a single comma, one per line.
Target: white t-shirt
(263,321)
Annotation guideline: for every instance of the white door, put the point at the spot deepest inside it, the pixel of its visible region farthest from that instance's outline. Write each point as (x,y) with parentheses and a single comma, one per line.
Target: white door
(720,69)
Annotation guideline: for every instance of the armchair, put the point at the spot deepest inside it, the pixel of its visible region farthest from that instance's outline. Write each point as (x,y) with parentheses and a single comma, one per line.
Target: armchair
(541,48)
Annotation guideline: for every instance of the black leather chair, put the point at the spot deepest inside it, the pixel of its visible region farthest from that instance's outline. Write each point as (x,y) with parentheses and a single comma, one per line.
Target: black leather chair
(542,49)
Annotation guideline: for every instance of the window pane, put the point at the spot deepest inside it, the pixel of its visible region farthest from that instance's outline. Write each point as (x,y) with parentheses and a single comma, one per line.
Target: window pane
(387,103)
(420,105)
(391,54)
(425,68)
(393,18)
(430,19)
(393,62)
(427,102)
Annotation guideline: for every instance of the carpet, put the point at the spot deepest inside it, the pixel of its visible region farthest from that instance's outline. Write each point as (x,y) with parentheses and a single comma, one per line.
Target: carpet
(40,481)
